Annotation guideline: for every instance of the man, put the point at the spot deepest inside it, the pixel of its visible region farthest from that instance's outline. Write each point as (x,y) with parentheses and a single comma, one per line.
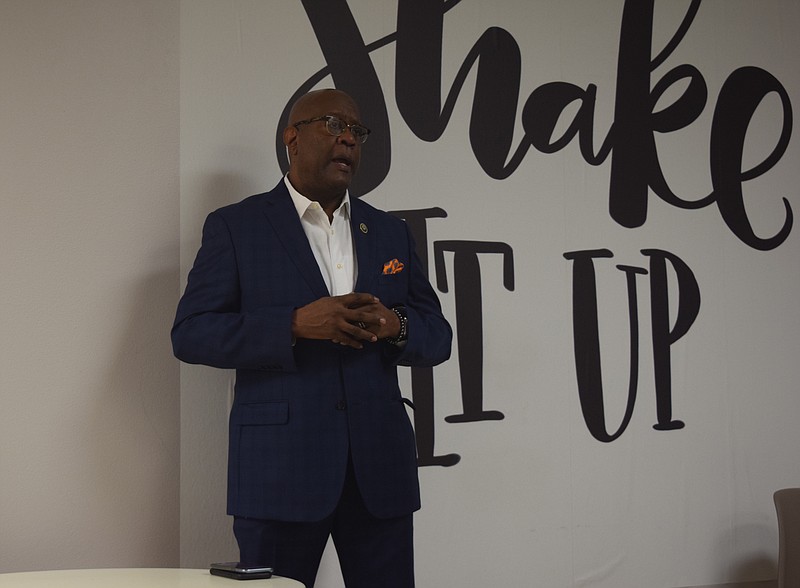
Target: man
(314,298)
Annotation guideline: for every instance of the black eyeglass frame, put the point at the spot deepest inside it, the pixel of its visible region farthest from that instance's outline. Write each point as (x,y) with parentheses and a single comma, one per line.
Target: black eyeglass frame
(360,132)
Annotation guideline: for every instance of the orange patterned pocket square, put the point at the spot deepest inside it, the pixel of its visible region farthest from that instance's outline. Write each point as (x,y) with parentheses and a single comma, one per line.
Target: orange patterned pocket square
(392,267)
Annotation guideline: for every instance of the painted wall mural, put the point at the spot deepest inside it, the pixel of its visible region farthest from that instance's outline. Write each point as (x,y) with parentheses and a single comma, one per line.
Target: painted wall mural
(603,194)
(629,143)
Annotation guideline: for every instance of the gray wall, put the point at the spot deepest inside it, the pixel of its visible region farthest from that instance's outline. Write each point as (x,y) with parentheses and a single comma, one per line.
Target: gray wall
(89,245)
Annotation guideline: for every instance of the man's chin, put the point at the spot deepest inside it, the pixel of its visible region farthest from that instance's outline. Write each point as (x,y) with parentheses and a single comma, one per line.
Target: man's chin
(341,180)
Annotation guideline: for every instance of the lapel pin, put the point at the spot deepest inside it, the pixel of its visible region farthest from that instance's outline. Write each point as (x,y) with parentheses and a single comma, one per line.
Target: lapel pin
(363,228)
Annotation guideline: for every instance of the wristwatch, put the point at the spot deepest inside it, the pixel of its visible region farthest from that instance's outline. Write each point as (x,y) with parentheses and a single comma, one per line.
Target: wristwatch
(402,316)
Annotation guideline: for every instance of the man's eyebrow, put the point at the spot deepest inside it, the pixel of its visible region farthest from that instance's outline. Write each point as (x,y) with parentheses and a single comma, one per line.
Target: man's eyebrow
(340,115)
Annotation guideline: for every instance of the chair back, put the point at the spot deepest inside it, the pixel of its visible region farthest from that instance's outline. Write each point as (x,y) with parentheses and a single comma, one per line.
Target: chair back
(787,505)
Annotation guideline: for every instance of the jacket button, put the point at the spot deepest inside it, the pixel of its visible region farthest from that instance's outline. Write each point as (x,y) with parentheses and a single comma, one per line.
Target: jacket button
(341,405)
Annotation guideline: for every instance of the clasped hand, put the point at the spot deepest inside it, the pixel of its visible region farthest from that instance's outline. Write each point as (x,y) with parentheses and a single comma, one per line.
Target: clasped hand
(348,320)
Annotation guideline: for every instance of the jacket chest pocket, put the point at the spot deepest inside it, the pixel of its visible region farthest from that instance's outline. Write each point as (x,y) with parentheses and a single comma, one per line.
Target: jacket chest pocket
(392,288)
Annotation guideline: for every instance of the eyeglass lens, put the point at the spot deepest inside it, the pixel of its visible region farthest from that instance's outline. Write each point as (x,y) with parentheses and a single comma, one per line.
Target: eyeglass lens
(336,127)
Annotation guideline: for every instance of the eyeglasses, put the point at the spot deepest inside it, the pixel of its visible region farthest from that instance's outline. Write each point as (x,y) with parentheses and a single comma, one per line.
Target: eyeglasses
(337,126)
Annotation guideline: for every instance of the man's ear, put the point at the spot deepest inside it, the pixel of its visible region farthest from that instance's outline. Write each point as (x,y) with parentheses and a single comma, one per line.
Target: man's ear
(290,138)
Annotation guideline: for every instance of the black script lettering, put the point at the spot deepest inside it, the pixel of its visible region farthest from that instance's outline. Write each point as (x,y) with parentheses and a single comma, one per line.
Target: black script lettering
(586,337)
(543,110)
(663,337)
(469,317)
(587,340)
(738,100)
(635,166)
(419,81)
(422,389)
(634,163)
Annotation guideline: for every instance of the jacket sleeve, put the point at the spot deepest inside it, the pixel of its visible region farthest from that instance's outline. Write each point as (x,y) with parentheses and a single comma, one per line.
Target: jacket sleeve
(210,327)
(429,334)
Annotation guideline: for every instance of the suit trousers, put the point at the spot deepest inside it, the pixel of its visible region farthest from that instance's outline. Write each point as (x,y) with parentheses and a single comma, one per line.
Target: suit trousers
(372,552)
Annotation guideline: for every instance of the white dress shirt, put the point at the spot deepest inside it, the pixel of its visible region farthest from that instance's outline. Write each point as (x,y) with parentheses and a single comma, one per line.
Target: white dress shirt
(330,241)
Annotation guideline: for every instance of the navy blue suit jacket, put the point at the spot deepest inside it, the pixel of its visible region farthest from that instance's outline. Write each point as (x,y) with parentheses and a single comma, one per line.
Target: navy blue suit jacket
(298,409)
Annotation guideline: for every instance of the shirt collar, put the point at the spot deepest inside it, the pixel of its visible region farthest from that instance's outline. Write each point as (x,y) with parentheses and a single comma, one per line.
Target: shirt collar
(301,203)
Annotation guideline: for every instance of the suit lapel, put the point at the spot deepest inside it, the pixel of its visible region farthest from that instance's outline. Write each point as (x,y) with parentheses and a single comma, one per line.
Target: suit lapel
(364,241)
(282,215)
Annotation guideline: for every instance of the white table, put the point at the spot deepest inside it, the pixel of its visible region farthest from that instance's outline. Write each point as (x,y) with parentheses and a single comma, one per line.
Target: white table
(135,578)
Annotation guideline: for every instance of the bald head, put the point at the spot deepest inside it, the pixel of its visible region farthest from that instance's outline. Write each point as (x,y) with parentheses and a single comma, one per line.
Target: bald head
(316,102)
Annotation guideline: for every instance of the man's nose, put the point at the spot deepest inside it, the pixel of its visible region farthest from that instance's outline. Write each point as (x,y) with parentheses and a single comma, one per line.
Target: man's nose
(347,137)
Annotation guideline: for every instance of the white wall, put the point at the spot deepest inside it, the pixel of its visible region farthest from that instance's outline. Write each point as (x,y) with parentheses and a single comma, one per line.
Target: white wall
(535,495)
(89,431)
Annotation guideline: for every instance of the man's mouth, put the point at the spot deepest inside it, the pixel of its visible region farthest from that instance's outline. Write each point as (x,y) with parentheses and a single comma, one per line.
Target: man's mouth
(343,163)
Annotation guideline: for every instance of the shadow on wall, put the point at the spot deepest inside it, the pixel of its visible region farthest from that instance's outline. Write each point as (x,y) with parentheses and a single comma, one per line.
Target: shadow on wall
(206,533)
(757,570)
(221,189)
(760,564)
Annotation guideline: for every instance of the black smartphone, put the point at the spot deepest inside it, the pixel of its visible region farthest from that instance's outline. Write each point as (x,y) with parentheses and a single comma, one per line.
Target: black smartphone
(234,569)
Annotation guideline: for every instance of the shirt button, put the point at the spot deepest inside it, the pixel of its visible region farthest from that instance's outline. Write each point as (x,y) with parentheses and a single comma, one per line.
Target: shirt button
(338,266)
(341,405)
